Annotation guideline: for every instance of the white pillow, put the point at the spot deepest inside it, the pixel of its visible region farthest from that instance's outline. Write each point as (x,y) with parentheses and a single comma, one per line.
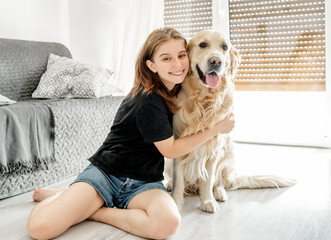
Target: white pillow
(65,77)
(5,101)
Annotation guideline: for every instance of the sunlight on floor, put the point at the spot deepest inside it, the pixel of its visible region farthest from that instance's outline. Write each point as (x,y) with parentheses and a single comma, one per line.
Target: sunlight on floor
(291,162)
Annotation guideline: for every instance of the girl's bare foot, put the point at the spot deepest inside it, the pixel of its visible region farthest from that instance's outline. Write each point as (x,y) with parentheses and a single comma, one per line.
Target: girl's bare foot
(41,194)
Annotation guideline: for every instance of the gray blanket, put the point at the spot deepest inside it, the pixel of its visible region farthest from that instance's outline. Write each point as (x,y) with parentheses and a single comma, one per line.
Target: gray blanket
(26,137)
(36,133)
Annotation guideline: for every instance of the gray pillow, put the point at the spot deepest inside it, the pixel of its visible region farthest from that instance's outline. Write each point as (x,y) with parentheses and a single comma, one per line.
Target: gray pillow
(65,78)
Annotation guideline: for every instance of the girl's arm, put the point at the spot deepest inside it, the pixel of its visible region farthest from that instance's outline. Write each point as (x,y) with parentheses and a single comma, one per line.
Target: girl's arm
(173,148)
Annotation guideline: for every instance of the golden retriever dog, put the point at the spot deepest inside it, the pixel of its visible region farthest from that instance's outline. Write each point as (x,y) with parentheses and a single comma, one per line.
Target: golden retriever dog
(205,99)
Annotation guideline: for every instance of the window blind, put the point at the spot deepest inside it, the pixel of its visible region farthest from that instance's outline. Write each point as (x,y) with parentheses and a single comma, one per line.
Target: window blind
(188,16)
(281,42)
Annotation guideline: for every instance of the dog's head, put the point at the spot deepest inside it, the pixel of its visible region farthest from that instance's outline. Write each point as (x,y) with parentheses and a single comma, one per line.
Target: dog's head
(212,58)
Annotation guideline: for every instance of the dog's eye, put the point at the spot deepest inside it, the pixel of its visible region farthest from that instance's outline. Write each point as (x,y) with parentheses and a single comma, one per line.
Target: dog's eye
(225,47)
(203,45)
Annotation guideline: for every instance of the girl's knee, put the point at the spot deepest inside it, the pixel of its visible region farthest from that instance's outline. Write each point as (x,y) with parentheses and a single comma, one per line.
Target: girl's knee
(173,224)
(42,226)
(39,228)
(165,225)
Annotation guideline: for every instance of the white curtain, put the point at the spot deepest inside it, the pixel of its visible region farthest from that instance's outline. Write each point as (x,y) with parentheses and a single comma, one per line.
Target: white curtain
(109,33)
(106,33)
(136,19)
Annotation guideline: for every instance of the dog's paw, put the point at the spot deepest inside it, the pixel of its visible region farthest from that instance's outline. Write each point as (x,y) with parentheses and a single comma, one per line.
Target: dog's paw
(210,206)
(179,200)
(179,204)
(220,194)
(168,186)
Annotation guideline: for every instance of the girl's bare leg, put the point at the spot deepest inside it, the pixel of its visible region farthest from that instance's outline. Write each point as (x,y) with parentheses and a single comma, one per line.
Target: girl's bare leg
(57,213)
(151,214)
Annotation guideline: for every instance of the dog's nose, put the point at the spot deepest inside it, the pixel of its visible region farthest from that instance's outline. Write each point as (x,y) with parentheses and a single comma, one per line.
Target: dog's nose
(215,61)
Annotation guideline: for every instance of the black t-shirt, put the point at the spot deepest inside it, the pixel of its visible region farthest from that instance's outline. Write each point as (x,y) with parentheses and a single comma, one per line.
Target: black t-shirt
(128,150)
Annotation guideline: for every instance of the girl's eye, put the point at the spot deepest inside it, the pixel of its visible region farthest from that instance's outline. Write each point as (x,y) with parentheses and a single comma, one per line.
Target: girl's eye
(166,59)
(182,55)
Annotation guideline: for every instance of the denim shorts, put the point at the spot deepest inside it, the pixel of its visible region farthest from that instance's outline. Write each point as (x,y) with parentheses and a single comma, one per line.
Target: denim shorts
(115,191)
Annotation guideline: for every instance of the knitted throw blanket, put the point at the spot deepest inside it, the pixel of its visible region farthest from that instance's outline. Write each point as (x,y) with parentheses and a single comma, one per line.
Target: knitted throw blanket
(26,140)
(38,133)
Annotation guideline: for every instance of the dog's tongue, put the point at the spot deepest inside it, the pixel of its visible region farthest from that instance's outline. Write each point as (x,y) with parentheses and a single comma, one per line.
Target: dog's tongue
(212,79)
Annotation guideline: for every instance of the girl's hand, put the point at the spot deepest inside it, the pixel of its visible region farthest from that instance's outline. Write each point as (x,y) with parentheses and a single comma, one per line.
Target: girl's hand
(173,148)
(226,125)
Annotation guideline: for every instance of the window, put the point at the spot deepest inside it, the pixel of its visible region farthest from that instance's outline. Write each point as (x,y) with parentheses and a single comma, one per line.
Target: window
(282,44)
(188,16)
(284,83)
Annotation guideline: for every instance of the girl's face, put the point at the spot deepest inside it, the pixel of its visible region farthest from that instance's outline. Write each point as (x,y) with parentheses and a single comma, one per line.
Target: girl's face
(170,62)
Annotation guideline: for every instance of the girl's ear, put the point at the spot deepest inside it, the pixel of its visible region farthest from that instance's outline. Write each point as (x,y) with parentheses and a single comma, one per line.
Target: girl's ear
(151,66)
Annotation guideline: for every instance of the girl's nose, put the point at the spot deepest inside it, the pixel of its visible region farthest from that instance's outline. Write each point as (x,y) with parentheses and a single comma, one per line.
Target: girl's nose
(178,62)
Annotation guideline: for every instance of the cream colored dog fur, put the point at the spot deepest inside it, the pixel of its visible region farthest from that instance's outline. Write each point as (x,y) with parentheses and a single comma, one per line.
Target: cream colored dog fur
(205,99)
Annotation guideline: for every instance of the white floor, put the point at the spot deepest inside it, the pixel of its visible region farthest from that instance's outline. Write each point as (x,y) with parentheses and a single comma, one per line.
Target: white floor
(301,212)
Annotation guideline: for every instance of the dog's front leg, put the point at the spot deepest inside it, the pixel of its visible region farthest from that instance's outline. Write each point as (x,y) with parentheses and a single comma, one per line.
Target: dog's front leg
(168,173)
(208,202)
(178,186)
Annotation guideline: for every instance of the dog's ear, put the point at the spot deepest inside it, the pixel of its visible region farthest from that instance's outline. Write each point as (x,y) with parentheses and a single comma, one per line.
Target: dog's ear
(235,61)
(188,49)
(189,46)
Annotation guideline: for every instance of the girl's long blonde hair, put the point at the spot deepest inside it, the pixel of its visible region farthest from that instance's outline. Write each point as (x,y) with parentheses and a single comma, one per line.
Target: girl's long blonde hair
(149,81)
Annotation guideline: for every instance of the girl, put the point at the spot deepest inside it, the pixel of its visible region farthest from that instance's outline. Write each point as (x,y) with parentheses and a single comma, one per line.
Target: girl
(122,185)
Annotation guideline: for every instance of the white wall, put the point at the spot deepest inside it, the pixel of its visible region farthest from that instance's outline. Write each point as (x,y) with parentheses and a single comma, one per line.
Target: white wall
(38,20)
(287,118)
(221,16)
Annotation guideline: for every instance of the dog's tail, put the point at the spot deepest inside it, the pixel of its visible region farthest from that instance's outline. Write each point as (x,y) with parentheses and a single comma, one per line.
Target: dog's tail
(260,181)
